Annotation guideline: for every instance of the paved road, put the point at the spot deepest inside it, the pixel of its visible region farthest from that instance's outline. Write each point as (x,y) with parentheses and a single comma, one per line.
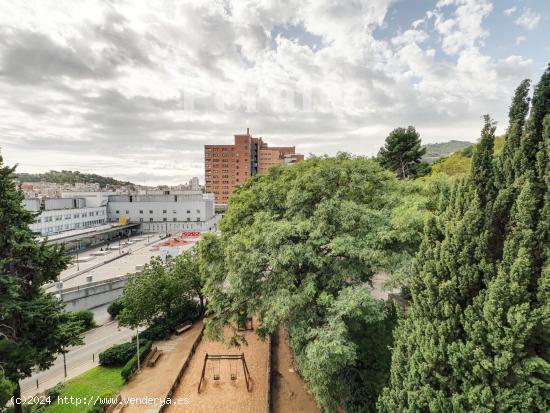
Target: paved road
(79,359)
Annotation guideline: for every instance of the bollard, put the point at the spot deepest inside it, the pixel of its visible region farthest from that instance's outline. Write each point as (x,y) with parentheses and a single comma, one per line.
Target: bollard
(37,383)
(93,357)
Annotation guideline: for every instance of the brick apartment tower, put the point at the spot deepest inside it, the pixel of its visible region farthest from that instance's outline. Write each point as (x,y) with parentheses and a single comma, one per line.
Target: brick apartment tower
(226,166)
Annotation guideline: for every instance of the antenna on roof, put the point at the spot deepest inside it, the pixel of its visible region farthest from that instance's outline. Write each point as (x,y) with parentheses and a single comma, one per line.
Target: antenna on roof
(247,131)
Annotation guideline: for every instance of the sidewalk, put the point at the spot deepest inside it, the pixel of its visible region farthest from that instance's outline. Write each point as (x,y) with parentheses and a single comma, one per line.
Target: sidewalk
(156,381)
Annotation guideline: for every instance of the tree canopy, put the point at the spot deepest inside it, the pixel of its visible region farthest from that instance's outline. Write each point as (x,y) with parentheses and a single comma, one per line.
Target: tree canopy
(402,153)
(299,246)
(34,327)
(476,335)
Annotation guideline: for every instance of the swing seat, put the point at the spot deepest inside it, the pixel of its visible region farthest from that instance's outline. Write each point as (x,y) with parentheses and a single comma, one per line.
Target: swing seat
(216,376)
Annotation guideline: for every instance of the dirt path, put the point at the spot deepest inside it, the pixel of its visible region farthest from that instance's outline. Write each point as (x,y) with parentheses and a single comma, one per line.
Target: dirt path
(288,392)
(155,381)
(225,395)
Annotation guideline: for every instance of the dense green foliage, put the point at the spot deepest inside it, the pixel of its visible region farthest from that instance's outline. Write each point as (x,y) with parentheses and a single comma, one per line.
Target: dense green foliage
(115,308)
(402,153)
(117,355)
(69,177)
(476,337)
(6,389)
(455,165)
(299,246)
(34,327)
(163,292)
(84,317)
(131,366)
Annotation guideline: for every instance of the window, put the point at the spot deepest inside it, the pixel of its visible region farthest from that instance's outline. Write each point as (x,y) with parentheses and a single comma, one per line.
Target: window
(174,219)
(76,216)
(141,211)
(174,211)
(164,211)
(188,211)
(117,212)
(150,219)
(150,211)
(198,219)
(188,219)
(198,211)
(127,212)
(141,220)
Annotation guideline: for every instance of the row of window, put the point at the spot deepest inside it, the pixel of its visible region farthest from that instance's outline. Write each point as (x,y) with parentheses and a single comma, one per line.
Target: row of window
(164,211)
(78,225)
(173,220)
(69,216)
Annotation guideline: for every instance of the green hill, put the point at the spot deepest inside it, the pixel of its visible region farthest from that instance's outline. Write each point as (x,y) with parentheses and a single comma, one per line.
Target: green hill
(434,151)
(69,177)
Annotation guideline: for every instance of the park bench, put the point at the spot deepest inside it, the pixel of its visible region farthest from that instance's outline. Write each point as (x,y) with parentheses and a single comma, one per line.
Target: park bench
(184,327)
(155,355)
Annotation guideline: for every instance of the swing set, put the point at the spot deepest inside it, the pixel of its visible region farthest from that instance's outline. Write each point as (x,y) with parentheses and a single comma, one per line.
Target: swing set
(233,366)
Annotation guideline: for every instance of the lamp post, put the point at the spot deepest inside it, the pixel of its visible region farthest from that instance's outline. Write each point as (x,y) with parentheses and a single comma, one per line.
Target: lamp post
(137,346)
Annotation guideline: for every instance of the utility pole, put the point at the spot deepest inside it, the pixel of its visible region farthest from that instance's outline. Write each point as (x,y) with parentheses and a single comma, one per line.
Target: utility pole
(64,364)
(137,345)
(77,264)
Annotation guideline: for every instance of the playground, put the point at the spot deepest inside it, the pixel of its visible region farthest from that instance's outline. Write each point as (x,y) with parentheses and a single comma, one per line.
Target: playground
(233,379)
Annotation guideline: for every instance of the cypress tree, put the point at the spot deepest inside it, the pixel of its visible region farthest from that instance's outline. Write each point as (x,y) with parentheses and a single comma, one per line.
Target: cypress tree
(516,115)
(476,337)
(34,327)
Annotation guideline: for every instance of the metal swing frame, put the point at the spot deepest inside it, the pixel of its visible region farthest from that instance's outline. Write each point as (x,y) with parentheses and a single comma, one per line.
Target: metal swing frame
(218,357)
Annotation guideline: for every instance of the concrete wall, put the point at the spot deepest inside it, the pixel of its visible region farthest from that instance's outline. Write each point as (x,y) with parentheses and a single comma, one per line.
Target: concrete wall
(92,295)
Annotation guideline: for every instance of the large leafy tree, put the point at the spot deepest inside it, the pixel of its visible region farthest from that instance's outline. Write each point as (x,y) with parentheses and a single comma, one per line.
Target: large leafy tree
(402,153)
(34,327)
(299,246)
(476,337)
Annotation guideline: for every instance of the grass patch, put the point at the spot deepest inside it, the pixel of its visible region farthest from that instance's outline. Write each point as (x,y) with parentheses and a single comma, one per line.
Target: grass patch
(91,384)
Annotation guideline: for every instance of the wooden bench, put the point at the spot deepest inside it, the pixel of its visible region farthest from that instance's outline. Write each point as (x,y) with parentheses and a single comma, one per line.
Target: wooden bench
(184,327)
(154,357)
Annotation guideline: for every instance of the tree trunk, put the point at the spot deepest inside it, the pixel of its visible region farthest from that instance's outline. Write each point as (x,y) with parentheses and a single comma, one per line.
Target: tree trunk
(201,299)
(17,407)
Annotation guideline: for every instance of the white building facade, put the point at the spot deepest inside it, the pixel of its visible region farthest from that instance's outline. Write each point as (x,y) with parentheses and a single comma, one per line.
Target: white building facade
(164,213)
(54,221)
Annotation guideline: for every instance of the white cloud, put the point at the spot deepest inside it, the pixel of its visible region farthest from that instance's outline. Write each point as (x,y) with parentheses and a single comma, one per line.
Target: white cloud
(529,19)
(109,87)
(520,39)
(510,11)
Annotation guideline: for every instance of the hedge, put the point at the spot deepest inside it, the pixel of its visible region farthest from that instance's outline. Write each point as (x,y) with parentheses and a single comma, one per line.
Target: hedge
(115,308)
(131,366)
(117,355)
(86,318)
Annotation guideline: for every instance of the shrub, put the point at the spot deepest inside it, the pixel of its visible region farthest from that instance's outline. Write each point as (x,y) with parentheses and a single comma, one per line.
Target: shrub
(162,327)
(115,308)
(131,366)
(117,355)
(85,317)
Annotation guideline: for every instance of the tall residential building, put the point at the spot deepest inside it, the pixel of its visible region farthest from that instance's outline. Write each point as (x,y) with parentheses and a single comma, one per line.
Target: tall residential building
(226,166)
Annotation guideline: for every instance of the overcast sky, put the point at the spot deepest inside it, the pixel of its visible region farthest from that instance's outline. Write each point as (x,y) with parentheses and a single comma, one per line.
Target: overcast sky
(134,89)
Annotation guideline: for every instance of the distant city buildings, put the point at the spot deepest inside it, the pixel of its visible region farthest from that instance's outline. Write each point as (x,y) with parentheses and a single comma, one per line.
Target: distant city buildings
(227,166)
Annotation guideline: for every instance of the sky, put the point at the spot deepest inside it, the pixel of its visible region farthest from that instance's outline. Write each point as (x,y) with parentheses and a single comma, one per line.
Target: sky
(135,89)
